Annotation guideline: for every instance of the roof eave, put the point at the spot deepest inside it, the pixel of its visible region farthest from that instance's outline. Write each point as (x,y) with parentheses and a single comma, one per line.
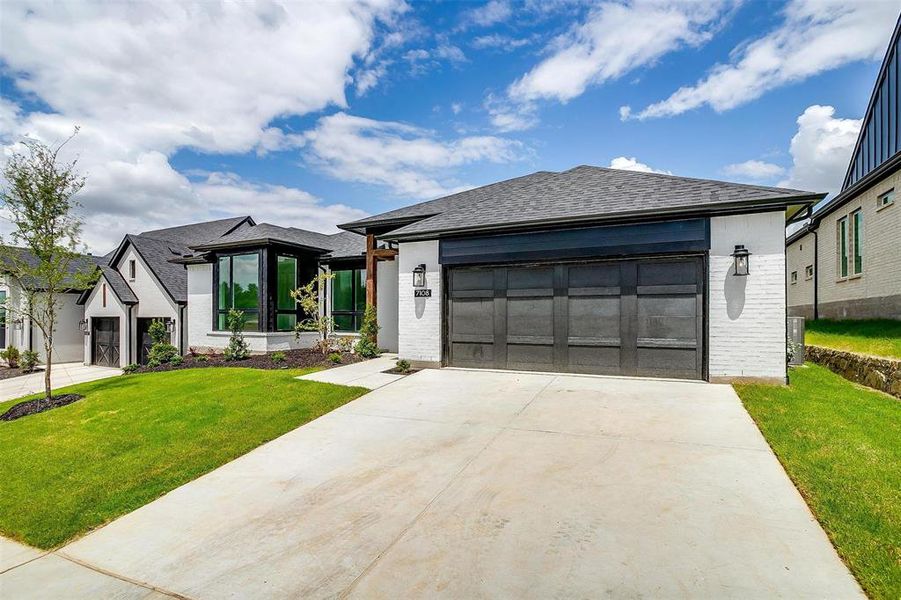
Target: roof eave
(626,217)
(265,241)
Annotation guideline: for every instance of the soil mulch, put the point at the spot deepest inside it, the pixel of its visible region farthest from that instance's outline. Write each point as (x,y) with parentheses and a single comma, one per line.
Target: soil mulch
(39,405)
(397,371)
(294,359)
(9,373)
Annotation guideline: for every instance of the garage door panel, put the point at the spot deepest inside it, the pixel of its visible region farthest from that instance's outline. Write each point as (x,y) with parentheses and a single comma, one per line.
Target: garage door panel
(632,317)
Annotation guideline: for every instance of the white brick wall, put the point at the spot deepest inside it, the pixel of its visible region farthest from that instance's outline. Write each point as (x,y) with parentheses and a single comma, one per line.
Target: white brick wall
(747,314)
(200,320)
(419,319)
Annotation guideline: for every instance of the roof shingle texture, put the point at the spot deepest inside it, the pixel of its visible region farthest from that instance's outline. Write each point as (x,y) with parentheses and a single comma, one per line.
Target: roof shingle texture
(581,193)
(120,287)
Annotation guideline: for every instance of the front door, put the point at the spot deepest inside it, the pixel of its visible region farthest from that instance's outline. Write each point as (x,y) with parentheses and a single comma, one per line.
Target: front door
(144,340)
(105,335)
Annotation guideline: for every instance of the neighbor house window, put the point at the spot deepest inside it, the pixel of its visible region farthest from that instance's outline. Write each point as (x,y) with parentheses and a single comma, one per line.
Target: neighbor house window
(808,272)
(348,299)
(857,242)
(885,199)
(131,269)
(794,277)
(286,309)
(238,287)
(841,244)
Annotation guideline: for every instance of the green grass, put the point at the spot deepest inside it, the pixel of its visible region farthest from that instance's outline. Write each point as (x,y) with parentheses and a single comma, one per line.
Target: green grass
(879,337)
(134,438)
(841,445)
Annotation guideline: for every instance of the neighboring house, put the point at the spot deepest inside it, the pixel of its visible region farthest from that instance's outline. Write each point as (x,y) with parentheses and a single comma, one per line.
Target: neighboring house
(189,276)
(846,262)
(590,270)
(16,329)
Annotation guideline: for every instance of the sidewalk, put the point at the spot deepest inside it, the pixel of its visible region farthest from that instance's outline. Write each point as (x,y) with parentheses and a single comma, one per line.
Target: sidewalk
(368,374)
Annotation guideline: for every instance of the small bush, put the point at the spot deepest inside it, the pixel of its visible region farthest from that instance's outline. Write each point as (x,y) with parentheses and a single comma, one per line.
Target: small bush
(237,348)
(193,351)
(11,356)
(367,346)
(278,357)
(130,368)
(335,357)
(176,360)
(345,343)
(162,353)
(403,365)
(28,360)
(157,332)
(202,358)
(153,363)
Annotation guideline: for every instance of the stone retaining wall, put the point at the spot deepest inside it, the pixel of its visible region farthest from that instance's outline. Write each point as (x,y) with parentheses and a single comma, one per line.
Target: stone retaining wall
(883,374)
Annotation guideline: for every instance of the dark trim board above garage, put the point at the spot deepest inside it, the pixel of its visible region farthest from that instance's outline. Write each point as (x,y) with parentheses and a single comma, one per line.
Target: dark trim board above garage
(681,236)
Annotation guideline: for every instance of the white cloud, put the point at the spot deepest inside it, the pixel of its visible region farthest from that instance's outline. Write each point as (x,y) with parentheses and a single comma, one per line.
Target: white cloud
(754,169)
(499,41)
(488,14)
(615,39)
(456,107)
(821,150)
(144,80)
(408,160)
(630,163)
(509,116)
(815,36)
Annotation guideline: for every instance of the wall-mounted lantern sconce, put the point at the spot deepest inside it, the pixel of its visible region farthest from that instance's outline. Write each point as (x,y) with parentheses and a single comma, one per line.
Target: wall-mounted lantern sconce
(83,325)
(741,257)
(170,326)
(17,324)
(419,276)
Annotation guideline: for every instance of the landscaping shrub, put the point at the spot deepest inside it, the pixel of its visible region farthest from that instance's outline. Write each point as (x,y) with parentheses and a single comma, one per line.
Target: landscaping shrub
(28,360)
(404,365)
(345,343)
(278,357)
(367,346)
(176,360)
(11,356)
(161,351)
(202,358)
(130,368)
(335,357)
(237,348)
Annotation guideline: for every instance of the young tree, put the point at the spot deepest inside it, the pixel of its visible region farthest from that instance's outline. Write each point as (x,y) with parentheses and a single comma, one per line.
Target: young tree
(307,297)
(38,196)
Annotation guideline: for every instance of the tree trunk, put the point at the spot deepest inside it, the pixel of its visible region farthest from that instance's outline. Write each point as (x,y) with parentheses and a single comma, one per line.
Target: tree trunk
(47,390)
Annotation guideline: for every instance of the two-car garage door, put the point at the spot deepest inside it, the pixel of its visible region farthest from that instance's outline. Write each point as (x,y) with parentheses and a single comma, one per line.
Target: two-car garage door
(629,317)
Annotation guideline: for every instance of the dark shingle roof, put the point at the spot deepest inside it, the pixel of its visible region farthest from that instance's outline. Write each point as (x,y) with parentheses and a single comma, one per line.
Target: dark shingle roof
(581,194)
(343,244)
(118,284)
(83,263)
(158,255)
(196,233)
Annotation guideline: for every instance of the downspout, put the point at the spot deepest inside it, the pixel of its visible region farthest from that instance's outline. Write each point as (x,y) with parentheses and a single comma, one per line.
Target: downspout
(816,275)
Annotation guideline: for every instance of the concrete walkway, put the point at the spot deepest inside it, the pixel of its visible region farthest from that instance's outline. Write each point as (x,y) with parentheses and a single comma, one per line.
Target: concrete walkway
(62,375)
(368,374)
(467,484)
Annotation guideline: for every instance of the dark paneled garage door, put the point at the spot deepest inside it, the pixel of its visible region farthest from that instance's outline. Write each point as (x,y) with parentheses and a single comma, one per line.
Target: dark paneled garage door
(105,333)
(632,317)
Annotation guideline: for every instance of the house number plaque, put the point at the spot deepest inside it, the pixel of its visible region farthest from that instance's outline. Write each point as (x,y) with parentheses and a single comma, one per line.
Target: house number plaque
(424,293)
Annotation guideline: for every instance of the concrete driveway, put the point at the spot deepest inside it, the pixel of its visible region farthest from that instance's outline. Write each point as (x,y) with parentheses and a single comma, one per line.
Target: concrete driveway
(478,484)
(61,375)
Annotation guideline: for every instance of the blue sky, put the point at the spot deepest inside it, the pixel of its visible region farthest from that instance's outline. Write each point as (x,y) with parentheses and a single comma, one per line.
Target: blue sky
(309,115)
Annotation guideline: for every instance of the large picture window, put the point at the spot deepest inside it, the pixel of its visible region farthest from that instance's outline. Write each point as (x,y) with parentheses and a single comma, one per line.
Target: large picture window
(348,299)
(238,287)
(286,308)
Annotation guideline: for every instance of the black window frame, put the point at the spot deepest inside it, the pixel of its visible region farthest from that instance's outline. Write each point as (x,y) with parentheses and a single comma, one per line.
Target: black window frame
(359,276)
(132,268)
(260,310)
(297,311)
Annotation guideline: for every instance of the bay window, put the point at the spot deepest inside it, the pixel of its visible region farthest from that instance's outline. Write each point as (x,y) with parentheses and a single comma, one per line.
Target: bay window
(348,299)
(238,287)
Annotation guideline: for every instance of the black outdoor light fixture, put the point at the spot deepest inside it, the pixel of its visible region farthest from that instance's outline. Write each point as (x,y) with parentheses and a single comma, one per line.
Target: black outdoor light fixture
(741,256)
(170,325)
(419,276)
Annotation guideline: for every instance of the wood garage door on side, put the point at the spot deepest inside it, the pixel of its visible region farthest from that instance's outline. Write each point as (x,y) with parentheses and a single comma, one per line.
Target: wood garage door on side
(641,317)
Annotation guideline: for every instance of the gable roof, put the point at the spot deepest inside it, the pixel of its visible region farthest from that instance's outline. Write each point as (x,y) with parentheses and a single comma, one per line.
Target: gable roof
(878,140)
(81,263)
(580,195)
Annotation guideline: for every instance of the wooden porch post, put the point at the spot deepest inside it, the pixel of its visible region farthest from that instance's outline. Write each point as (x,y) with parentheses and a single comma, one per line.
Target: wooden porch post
(371,268)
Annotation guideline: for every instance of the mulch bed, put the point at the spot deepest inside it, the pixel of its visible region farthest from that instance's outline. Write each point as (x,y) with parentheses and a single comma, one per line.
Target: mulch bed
(294,359)
(8,373)
(397,371)
(39,405)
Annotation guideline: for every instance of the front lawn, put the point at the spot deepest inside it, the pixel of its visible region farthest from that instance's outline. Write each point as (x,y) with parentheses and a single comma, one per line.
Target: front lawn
(879,337)
(136,437)
(841,445)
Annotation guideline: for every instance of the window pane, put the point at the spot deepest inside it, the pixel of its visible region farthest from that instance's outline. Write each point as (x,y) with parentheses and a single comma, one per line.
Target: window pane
(224,299)
(360,298)
(285,322)
(344,323)
(220,325)
(251,321)
(843,245)
(858,245)
(287,282)
(246,280)
(342,291)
